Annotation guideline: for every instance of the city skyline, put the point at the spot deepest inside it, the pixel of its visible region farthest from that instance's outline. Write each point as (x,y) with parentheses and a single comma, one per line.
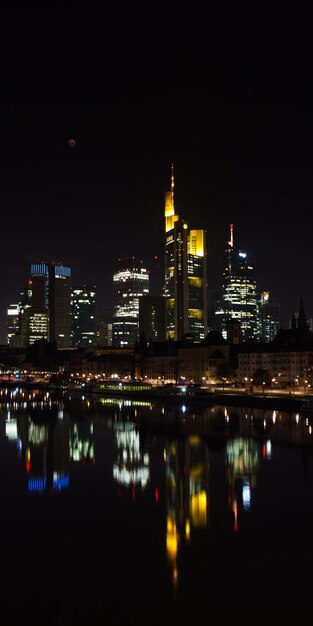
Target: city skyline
(232,112)
(156,271)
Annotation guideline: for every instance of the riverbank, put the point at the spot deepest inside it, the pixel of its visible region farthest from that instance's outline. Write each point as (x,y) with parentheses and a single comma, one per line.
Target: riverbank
(279,402)
(284,400)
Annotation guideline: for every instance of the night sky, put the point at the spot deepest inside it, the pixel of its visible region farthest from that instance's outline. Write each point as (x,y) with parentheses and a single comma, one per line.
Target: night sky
(227,97)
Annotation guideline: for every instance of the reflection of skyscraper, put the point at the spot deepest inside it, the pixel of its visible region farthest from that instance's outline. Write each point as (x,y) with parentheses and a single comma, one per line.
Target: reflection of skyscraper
(242,463)
(81,442)
(185,275)
(130,282)
(187,492)
(131,466)
(45,451)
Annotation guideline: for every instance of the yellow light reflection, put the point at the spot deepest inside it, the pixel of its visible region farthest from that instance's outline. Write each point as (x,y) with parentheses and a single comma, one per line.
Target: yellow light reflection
(187,529)
(171,540)
(198,509)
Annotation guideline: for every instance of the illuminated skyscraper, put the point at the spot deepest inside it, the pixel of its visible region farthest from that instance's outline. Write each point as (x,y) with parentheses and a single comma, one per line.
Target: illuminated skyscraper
(14,322)
(35,324)
(83,312)
(130,282)
(50,291)
(239,300)
(185,275)
(269,317)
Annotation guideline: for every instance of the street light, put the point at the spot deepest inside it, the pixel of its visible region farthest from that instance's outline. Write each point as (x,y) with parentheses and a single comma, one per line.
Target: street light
(263,385)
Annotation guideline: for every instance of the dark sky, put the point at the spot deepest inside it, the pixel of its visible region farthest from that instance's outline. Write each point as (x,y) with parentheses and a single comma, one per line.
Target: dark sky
(227,96)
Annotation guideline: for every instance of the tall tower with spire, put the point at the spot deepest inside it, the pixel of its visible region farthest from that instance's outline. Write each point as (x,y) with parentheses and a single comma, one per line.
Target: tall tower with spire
(185,274)
(239,300)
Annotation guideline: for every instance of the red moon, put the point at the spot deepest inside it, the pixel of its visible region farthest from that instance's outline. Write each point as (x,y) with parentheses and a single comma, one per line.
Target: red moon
(71,143)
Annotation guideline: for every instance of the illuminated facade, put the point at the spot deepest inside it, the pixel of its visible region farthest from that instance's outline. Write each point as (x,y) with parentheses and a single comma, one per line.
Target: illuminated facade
(18,331)
(130,283)
(269,317)
(185,275)
(50,289)
(83,312)
(35,324)
(13,322)
(239,300)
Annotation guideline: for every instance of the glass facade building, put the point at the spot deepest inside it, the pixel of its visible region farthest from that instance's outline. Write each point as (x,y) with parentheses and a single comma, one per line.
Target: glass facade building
(50,291)
(130,283)
(185,286)
(83,313)
(269,318)
(13,321)
(239,299)
(152,317)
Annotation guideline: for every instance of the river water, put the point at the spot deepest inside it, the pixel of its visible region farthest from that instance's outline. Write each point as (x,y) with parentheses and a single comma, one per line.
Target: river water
(129,512)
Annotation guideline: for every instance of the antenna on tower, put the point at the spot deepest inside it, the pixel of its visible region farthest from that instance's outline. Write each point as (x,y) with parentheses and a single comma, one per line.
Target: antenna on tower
(231,242)
(172,185)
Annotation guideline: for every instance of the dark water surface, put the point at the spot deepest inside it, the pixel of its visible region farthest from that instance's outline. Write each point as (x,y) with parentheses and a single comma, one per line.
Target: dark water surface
(114,512)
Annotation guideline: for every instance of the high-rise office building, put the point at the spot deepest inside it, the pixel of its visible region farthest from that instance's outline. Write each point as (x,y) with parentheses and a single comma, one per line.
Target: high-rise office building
(35,324)
(18,332)
(185,275)
(13,322)
(130,282)
(83,312)
(214,296)
(60,305)
(104,327)
(152,311)
(239,298)
(269,317)
(50,290)
(197,284)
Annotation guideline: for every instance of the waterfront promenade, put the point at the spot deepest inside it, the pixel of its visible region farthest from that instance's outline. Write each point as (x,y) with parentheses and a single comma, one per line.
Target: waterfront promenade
(283,399)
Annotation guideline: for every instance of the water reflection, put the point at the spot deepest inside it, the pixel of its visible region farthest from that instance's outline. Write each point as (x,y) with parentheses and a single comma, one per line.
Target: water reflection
(131,465)
(187,493)
(82,448)
(242,464)
(175,490)
(43,449)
